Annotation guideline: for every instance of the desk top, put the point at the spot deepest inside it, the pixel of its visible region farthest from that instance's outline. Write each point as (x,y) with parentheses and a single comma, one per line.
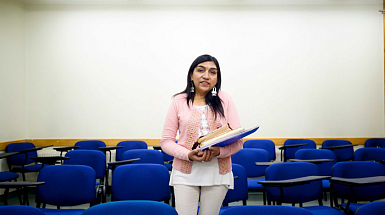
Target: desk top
(358,181)
(33,149)
(4,155)
(15,184)
(292,146)
(292,182)
(266,163)
(65,148)
(123,162)
(109,148)
(315,161)
(338,147)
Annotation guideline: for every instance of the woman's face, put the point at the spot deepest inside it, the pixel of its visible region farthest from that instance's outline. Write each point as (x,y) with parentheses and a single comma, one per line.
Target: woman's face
(204,77)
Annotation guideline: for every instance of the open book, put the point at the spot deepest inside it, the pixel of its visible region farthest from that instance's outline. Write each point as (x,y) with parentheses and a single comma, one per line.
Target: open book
(224,136)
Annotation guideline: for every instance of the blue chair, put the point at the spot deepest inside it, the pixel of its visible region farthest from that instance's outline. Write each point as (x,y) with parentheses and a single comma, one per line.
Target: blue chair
(22,161)
(66,185)
(20,210)
(363,194)
(288,152)
(370,154)
(375,142)
(90,144)
(8,176)
(132,208)
(247,157)
(372,208)
(266,210)
(343,154)
(129,145)
(96,160)
(167,159)
(299,193)
(240,191)
(145,155)
(267,145)
(325,167)
(141,182)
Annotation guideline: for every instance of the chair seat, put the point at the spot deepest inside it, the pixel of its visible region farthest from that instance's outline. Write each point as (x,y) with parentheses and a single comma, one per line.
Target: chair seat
(353,207)
(323,210)
(7,176)
(29,168)
(326,184)
(168,166)
(48,211)
(226,207)
(252,184)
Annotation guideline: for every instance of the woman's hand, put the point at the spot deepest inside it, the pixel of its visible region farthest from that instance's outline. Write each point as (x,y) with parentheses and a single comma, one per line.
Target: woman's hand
(215,150)
(195,155)
(201,156)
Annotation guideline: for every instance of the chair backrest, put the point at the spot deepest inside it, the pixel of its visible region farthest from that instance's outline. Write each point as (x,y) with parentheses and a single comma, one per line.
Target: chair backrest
(359,169)
(294,194)
(290,152)
(344,154)
(66,185)
(369,154)
(372,208)
(247,157)
(266,210)
(240,191)
(267,145)
(91,158)
(140,182)
(90,144)
(128,145)
(131,207)
(20,158)
(375,142)
(20,210)
(309,154)
(145,155)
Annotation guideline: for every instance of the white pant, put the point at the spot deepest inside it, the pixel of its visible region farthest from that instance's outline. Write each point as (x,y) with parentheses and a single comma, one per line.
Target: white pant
(187,197)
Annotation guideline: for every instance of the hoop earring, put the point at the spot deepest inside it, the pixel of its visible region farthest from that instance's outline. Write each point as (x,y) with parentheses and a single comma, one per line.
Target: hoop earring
(192,87)
(214,91)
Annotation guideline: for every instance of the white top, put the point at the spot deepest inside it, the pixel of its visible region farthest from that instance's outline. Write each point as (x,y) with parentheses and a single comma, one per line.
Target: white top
(203,173)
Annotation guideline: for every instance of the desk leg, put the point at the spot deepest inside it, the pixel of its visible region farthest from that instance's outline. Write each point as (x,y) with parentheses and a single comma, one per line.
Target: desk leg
(26,201)
(331,195)
(264,195)
(349,200)
(281,197)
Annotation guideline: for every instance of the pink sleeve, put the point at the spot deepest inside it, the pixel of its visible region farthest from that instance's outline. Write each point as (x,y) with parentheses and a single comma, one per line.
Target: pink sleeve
(170,129)
(232,118)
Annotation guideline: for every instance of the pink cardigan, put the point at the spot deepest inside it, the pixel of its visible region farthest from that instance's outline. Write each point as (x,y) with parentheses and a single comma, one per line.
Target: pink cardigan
(187,120)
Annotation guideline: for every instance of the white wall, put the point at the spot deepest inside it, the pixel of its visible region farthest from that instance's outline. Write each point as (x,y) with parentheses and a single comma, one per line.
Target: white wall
(297,70)
(12,70)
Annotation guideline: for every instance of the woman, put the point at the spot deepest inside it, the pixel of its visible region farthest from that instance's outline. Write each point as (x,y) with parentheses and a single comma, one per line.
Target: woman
(197,175)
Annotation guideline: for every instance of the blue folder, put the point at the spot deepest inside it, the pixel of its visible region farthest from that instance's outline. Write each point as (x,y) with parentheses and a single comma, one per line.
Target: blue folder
(232,138)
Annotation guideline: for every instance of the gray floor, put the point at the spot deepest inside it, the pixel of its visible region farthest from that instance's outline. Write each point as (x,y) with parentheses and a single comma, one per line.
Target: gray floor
(255,198)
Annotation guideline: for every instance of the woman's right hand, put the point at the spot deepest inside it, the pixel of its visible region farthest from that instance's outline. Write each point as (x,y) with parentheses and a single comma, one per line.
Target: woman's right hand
(201,156)
(195,155)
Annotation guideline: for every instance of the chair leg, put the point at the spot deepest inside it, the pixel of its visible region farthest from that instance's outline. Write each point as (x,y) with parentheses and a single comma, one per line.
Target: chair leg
(6,196)
(244,202)
(172,197)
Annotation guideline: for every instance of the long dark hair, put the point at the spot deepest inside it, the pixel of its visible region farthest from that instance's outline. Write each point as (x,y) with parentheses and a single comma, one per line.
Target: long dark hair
(214,102)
